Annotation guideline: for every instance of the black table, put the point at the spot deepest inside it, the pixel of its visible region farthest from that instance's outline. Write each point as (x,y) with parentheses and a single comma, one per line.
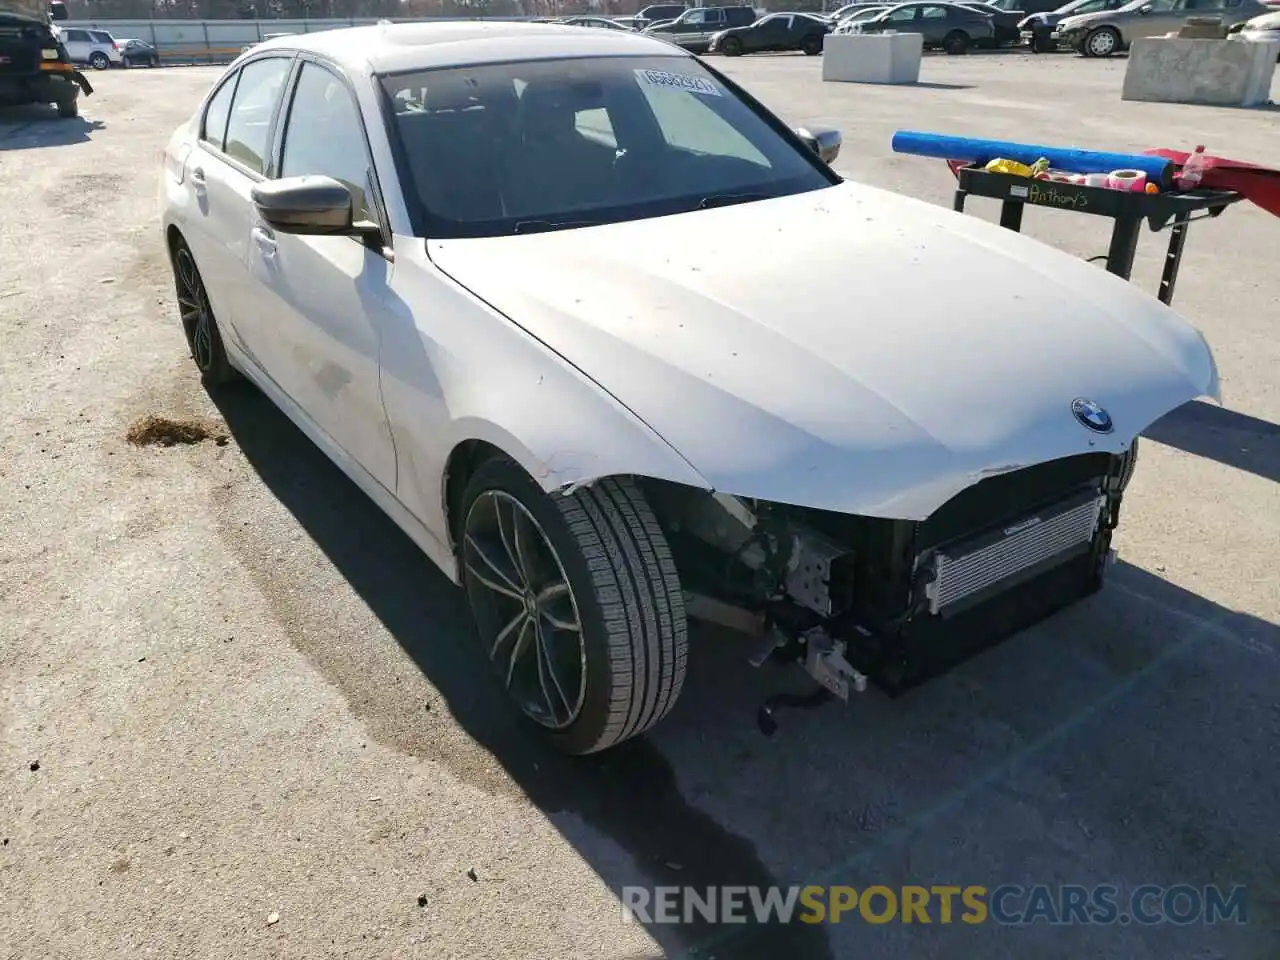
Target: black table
(1128,210)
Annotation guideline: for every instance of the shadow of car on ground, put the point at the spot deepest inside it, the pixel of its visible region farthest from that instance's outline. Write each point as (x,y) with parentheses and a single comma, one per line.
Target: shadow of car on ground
(844,794)
(38,125)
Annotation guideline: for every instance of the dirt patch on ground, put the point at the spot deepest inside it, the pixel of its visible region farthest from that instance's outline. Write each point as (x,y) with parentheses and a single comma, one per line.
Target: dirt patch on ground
(153,431)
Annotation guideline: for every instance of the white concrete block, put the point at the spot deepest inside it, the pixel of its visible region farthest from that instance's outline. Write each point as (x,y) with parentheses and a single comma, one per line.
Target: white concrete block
(872,57)
(1228,73)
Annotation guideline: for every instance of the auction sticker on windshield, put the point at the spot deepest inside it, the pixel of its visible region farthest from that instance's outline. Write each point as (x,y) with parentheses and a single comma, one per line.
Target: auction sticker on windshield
(678,81)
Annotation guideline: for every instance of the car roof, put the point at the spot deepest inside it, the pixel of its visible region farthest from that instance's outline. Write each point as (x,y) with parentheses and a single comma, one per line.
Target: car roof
(397,47)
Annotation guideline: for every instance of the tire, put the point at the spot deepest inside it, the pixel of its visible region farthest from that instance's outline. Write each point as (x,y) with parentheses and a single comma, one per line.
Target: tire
(155,61)
(731,47)
(198,322)
(811,45)
(99,60)
(1102,42)
(69,109)
(956,42)
(621,670)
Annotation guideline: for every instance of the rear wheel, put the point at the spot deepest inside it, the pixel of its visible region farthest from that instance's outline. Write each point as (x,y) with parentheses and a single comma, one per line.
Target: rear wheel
(811,45)
(956,42)
(198,322)
(577,603)
(99,60)
(731,47)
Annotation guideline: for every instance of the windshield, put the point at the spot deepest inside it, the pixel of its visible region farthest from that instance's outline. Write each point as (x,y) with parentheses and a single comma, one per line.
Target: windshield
(507,148)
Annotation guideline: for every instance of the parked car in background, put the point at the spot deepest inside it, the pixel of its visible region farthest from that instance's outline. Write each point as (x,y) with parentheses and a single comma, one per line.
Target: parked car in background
(265,38)
(138,53)
(1110,32)
(949,26)
(694,28)
(94,47)
(1039,31)
(35,67)
(657,13)
(1006,22)
(773,32)
(853,21)
(1265,27)
(600,23)
(849,8)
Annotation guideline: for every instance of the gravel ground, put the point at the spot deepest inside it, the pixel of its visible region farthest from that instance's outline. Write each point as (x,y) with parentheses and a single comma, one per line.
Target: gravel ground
(242,717)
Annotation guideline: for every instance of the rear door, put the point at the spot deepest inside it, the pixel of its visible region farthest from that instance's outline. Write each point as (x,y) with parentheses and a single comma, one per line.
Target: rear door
(78,43)
(223,171)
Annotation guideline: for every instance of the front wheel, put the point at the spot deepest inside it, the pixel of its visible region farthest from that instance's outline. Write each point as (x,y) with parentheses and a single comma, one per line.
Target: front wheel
(576,602)
(811,45)
(956,42)
(69,109)
(731,47)
(1102,42)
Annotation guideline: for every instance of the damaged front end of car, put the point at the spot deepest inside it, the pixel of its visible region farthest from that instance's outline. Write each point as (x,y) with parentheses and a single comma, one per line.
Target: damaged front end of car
(852,598)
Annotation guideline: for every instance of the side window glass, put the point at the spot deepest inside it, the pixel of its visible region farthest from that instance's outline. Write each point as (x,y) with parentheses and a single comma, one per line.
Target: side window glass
(250,120)
(102,38)
(934,13)
(77,36)
(215,115)
(251,110)
(324,137)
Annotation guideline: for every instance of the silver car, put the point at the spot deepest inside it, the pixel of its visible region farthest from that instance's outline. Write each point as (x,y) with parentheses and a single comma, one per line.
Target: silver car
(1265,27)
(1105,33)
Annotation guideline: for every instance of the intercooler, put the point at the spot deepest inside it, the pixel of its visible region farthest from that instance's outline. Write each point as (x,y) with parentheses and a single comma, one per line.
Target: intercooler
(970,571)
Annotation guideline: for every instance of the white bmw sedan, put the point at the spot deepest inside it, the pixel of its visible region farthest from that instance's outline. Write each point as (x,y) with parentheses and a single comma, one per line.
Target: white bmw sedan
(617,348)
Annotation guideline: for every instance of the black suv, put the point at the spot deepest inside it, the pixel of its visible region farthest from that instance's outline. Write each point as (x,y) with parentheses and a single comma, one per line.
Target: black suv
(694,28)
(35,68)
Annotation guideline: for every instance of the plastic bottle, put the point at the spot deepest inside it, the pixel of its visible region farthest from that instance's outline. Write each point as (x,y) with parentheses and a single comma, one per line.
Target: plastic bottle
(1192,170)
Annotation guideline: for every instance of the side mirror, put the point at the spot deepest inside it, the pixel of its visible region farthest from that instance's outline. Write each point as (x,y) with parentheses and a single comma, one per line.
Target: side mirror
(824,141)
(310,205)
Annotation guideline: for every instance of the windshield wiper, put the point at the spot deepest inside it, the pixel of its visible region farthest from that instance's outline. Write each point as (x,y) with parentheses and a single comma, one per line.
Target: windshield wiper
(729,199)
(542,226)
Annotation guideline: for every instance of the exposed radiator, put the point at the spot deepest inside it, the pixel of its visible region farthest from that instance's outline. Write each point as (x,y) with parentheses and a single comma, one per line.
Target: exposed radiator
(964,573)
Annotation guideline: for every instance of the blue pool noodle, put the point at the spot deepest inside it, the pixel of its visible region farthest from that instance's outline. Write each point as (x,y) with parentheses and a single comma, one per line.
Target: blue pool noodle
(979,151)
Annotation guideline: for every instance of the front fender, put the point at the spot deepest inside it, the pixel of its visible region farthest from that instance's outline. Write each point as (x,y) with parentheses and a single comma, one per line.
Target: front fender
(455,370)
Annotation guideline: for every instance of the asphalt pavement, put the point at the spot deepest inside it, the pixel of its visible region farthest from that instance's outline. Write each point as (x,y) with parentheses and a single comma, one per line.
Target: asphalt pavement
(243,717)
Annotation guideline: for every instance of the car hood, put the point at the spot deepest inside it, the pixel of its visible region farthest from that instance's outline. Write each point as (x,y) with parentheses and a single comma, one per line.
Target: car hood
(846,349)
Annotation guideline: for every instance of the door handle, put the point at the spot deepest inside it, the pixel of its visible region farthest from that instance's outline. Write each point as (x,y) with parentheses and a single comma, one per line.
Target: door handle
(265,241)
(197,178)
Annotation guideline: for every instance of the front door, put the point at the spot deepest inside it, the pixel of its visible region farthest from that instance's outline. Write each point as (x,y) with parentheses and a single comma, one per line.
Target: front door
(1163,17)
(324,301)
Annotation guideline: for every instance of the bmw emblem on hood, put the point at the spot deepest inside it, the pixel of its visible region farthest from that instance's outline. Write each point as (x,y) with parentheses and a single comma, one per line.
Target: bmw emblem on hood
(1091,415)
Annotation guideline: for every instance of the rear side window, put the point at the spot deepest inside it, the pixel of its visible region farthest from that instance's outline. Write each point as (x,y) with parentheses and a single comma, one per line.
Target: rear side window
(249,126)
(215,115)
(101,37)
